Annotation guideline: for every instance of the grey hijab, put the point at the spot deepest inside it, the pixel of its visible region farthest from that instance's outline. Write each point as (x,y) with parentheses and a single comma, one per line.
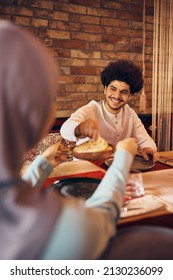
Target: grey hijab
(27,91)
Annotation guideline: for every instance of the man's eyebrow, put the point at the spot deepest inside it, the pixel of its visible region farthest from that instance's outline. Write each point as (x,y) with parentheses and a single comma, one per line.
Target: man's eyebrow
(126,90)
(114,87)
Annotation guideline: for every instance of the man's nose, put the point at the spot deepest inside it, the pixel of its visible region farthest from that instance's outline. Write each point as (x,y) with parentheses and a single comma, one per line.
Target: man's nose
(117,93)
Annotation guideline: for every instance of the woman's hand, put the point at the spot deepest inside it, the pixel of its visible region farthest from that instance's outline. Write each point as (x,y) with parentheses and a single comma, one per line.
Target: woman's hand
(128,144)
(56,154)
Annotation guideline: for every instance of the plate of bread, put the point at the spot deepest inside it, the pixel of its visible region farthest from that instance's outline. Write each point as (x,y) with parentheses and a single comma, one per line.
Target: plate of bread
(93,149)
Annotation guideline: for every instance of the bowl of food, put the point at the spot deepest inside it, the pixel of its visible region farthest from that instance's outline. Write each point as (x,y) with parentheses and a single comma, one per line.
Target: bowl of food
(93,150)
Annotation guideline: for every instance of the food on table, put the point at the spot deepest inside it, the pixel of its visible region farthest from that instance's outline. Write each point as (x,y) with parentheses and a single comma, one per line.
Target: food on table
(92,146)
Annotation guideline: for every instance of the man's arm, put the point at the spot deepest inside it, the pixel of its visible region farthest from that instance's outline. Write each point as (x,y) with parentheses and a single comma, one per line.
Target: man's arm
(73,127)
(146,144)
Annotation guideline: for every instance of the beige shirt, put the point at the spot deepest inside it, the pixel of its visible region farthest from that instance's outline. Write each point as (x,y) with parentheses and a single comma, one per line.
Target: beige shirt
(111,127)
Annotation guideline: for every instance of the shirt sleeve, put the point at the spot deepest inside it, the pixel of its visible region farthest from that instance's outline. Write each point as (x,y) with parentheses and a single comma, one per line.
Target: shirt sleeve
(85,227)
(37,172)
(82,114)
(143,138)
(110,192)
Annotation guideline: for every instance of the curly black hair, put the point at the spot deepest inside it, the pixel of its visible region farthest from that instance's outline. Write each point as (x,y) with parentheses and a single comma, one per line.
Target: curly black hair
(124,71)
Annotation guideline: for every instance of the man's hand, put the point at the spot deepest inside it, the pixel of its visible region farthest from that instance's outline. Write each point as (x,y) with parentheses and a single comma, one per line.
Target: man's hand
(88,128)
(149,151)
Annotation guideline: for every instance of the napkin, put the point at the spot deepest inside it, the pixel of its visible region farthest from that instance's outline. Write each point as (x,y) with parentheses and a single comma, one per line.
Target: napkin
(166,160)
(159,183)
(141,205)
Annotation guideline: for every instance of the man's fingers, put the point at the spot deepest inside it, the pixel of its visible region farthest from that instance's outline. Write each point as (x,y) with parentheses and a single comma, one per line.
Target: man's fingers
(145,156)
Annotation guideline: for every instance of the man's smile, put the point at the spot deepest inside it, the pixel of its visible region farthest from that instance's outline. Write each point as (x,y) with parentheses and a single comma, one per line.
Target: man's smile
(116,100)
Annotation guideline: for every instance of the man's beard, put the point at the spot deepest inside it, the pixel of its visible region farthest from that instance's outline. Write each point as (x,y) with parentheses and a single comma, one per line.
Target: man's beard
(117,108)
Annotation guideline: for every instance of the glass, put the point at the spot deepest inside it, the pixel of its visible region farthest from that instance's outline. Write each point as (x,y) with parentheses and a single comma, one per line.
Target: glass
(134,187)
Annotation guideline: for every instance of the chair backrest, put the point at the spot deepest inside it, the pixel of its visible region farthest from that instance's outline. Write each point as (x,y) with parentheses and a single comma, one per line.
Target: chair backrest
(141,243)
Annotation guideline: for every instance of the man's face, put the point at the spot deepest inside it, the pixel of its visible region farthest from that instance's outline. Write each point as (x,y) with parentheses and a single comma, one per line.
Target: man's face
(117,94)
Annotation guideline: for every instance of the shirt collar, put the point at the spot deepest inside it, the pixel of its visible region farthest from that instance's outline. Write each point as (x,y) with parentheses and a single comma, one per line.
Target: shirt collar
(110,115)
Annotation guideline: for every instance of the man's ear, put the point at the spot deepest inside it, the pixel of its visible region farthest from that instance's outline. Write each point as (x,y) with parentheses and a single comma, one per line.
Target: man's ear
(105,88)
(130,97)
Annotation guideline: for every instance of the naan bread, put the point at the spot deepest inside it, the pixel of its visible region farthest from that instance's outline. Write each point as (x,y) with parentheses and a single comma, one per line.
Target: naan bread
(92,146)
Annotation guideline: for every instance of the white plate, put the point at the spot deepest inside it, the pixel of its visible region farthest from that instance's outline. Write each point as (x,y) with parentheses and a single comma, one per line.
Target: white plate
(139,163)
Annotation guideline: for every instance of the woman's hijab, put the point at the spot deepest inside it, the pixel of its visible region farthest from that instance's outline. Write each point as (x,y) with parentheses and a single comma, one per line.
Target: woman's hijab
(28,78)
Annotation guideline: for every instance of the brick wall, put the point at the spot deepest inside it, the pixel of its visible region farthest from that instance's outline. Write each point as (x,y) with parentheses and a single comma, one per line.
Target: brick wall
(85,36)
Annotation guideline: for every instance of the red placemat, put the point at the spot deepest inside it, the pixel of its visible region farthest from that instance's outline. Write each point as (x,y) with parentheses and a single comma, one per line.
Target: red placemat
(93,174)
(158,166)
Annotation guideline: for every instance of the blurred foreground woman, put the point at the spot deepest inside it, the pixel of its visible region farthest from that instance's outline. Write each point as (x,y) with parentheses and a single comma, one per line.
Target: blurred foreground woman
(37,224)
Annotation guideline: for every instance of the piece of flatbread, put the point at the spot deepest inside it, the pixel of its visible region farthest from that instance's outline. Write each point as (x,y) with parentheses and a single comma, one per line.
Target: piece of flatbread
(92,146)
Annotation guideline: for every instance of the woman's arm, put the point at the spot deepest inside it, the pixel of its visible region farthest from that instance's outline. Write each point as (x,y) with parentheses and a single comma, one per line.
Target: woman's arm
(43,165)
(37,172)
(85,228)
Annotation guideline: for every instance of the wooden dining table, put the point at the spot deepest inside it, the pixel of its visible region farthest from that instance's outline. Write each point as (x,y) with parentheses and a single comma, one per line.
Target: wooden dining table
(158,181)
